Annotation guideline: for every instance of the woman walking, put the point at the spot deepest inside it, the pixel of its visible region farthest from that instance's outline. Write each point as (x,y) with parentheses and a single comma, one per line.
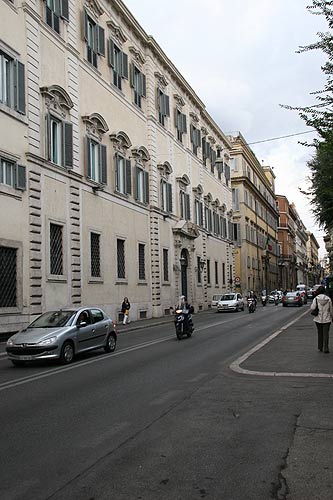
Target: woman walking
(323,319)
(125,307)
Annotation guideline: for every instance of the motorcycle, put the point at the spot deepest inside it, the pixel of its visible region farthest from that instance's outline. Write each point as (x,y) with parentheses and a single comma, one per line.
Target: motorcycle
(264,300)
(251,304)
(184,322)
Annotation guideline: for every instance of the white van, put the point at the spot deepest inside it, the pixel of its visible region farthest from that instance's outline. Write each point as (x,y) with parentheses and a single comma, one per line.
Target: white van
(215,300)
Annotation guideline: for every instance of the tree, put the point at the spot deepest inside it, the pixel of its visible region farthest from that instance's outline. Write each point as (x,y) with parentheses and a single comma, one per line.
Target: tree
(320,117)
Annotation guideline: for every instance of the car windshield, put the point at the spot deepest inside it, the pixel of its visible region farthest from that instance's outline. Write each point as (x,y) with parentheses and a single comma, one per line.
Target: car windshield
(292,294)
(52,319)
(229,296)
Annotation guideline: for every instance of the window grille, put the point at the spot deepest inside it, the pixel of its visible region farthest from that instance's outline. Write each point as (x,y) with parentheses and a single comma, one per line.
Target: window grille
(8,277)
(95,256)
(56,250)
(198,269)
(121,258)
(165,264)
(142,272)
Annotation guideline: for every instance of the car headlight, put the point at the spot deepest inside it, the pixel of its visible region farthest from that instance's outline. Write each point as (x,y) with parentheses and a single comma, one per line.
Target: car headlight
(10,342)
(49,341)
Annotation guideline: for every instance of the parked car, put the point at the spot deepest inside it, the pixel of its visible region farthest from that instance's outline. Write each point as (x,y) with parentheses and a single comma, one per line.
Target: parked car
(61,334)
(231,302)
(309,293)
(215,300)
(292,299)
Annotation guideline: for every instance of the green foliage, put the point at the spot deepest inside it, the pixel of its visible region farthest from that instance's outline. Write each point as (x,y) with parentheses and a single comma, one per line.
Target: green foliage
(320,117)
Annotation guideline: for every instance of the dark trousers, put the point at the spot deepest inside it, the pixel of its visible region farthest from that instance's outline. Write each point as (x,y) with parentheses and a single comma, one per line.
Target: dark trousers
(323,335)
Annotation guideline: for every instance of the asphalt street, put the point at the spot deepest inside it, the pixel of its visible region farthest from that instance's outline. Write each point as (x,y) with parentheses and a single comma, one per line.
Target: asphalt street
(222,415)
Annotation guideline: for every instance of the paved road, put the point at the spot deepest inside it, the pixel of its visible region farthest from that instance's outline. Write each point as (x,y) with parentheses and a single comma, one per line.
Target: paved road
(158,419)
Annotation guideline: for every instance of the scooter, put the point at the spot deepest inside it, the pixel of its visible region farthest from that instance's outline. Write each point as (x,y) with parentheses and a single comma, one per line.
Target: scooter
(264,300)
(251,304)
(183,323)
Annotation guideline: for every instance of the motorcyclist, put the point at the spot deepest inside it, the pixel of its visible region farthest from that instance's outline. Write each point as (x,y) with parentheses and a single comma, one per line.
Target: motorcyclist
(187,310)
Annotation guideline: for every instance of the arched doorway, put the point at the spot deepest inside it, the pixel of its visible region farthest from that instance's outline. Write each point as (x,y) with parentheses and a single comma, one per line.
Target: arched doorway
(183,267)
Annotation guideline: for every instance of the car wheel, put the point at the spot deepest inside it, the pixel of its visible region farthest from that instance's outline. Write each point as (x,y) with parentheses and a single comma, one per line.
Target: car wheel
(111,343)
(17,362)
(67,353)
(284,305)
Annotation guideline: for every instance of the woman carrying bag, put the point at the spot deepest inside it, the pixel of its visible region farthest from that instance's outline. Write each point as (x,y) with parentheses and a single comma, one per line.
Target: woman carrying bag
(322,310)
(125,307)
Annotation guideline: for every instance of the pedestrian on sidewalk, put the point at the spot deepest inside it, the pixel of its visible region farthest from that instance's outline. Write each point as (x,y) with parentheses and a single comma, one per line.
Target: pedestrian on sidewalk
(323,319)
(125,307)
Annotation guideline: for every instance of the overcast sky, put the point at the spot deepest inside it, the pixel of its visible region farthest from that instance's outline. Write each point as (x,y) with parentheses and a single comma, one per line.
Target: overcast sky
(240,58)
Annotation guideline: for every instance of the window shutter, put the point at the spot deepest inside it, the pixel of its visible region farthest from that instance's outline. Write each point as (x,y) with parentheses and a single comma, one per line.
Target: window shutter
(100,41)
(111,53)
(177,121)
(146,187)
(166,105)
(48,136)
(201,213)
(124,65)
(67,140)
(137,171)
(169,197)
(102,164)
(227,173)
(85,26)
(203,147)
(198,133)
(213,157)
(88,160)
(117,172)
(184,126)
(132,72)
(143,85)
(64,10)
(128,177)
(20,177)
(192,134)
(187,207)
(20,87)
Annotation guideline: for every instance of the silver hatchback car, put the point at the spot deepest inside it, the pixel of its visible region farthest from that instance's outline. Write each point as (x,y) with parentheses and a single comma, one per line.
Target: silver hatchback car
(62,334)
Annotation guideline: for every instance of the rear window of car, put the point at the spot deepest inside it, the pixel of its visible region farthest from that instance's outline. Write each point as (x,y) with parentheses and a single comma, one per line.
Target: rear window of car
(229,296)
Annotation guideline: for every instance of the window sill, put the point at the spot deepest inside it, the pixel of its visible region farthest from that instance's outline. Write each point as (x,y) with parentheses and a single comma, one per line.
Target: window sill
(142,283)
(14,114)
(10,191)
(119,281)
(56,279)
(166,283)
(95,280)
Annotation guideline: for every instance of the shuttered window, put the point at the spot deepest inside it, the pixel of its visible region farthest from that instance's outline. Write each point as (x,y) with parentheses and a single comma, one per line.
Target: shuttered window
(195,138)
(123,175)
(118,60)
(163,106)
(165,264)
(12,174)
(96,167)
(166,196)
(138,83)
(142,185)
(12,83)
(198,207)
(94,37)
(185,211)
(180,123)
(59,141)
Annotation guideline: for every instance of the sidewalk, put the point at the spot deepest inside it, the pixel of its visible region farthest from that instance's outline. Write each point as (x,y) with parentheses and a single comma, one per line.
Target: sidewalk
(307,471)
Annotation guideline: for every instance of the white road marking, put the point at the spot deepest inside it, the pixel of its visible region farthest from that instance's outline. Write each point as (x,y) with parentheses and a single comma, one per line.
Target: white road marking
(235,365)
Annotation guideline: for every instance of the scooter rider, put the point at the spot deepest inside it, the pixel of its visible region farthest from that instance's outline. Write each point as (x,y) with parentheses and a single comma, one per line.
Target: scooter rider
(187,311)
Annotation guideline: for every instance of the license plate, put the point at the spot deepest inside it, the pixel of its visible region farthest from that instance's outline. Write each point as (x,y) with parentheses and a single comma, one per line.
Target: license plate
(26,358)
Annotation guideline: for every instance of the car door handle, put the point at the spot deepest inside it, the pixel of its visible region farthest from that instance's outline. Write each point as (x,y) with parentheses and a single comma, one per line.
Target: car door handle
(93,330)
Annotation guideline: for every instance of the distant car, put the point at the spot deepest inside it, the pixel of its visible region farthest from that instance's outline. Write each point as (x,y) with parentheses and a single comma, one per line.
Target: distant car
(61,334)
(231,302)
(315,289)
(309,293)
(215,300)
(292,299)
